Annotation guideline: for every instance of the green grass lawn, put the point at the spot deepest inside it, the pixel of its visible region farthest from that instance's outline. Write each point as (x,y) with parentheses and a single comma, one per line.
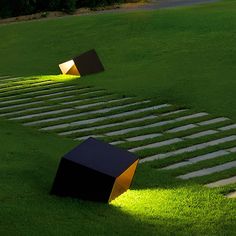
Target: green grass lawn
(183,56)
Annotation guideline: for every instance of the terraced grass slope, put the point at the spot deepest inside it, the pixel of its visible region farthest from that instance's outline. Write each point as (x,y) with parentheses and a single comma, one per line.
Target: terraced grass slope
(171,141)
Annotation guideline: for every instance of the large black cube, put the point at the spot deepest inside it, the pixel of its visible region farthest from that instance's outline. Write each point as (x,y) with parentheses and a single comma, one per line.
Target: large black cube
(95,171)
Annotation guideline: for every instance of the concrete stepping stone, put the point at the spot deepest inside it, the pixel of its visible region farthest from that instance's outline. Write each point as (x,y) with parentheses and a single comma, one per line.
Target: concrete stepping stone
(213,121)
(222,182)
(4,76)
(20,105)
(181,128)
(208,171)
(93,120)
(231,195)
(15,100)
(143,137)
(189,149)
(24,110)
(133,112)
(108,125)
(102,103)
(41,91)
(197,159)
(61,98)
(42,114)
(85,100)
(228,127)
(232,149)
(26,104)
(172,112)
(158,144)
(7,78)
(105,110)
(14,94)
(55,94)
(158,124)
(201,134)
(117,142)
(88,136)
(21,88)
(193,116)
(117,124)
(71,91)
(128,130)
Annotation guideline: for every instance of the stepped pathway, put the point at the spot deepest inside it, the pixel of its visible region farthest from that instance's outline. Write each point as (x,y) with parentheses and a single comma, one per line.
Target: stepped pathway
(190,145)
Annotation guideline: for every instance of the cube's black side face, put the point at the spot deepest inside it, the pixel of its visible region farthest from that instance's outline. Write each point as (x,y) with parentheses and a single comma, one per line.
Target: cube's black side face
(88,63)
(74,180)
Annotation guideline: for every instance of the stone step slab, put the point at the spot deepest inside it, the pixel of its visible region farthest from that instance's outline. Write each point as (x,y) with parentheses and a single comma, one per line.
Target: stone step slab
(158,144)
(20,105)
(232,149)
(193,116)
(101,111)
(222,182)
(108,125)
(201,134)
(208,171)
(40,91)
(158,124)
(143,137)
(228,127)
(19,88)
(181,128)
(42,114)
(24,110)
(197,159)
(15,101)
(60,93)
(93,120)
(62,98)
(213,121)
(231,195)
(102,103)
(8,78)
(90,100)
(189,149)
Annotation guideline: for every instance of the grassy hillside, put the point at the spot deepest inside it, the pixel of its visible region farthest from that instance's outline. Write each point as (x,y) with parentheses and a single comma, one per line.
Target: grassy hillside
(182,56)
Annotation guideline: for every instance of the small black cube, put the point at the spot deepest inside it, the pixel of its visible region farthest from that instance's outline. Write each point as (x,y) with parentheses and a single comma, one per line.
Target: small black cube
(95,171)
(88,63)
(84,64)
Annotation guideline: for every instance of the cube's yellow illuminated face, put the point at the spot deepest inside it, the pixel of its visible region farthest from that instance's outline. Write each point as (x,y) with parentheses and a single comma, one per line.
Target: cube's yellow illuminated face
(69,68)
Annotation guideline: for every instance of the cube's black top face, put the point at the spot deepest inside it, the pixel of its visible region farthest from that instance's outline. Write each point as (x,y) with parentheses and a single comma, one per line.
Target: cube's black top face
(101,157)
(88,63)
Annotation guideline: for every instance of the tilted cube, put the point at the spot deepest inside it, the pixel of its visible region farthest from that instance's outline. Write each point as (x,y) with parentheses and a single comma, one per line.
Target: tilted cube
(84,64)
(95,171)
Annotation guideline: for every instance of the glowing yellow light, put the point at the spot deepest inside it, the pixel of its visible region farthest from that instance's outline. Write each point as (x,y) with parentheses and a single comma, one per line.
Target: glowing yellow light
(84,64)
(123,182)
(69,68)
